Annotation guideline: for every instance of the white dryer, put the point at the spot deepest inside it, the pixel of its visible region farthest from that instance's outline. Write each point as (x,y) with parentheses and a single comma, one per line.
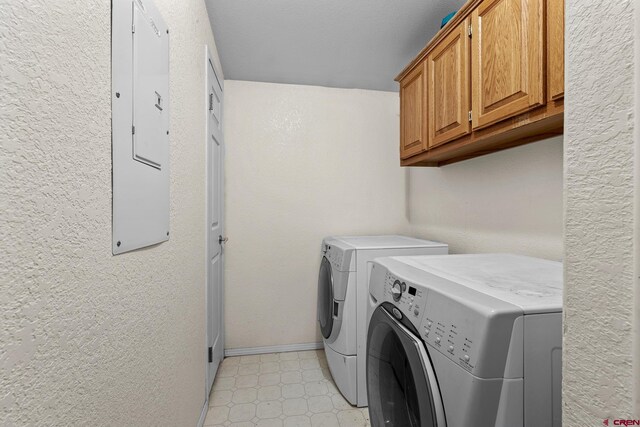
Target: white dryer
(343,300)
(465,341)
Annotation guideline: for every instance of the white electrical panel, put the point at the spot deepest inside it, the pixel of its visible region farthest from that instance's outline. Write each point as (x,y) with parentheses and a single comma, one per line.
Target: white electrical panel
(140,125)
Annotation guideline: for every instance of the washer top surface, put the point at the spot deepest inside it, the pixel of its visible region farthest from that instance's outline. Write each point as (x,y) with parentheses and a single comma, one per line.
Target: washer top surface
(385,242)
(533,284)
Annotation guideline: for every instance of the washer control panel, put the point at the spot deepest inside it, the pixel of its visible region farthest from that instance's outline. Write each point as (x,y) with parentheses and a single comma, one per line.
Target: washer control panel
(408,298)
(449,330)
(339,258)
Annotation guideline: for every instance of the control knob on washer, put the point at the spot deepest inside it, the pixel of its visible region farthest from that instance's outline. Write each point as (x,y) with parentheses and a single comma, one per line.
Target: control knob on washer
(396,290)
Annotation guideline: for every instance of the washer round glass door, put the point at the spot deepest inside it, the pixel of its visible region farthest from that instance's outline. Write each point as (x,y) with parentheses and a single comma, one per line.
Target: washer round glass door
(401,385)
(325,298)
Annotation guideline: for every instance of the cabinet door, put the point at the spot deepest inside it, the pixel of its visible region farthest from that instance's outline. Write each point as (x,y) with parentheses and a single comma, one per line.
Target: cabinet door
(448,87)
(555,49)
(413,113)
(507,59)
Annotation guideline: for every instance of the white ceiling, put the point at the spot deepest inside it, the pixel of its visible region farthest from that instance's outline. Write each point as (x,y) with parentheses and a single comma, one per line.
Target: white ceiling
(338,43)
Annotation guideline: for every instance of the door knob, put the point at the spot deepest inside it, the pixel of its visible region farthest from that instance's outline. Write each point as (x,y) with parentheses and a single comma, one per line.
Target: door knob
(222,240)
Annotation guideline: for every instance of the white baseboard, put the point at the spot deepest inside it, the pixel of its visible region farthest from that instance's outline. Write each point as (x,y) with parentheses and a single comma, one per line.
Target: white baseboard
(272,349)
(203,413)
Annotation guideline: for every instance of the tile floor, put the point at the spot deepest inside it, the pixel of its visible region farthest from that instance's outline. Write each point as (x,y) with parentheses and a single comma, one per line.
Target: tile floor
(291,389)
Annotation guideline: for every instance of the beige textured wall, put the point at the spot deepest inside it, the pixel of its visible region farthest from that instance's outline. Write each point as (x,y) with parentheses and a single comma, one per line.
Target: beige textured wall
(303,162)
(600,183)
(510,201)
(635,328)
(88,338)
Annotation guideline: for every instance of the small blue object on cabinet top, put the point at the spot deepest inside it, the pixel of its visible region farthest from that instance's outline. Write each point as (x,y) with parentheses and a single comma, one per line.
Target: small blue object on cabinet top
(447,18)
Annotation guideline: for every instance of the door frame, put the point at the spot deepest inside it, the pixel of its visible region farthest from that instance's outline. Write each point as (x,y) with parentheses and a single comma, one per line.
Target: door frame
(217,74)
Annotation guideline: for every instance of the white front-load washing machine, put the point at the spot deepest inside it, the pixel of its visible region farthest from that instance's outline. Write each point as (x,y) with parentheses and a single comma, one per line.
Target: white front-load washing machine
(343,299)
(465,341)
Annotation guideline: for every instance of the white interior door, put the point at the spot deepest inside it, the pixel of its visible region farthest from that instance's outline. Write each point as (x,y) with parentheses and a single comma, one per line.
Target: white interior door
(215,224)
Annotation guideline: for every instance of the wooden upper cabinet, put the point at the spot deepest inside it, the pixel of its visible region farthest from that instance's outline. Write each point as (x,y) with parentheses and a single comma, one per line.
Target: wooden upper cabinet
(555,49)
(500,62)
(413,112)
(507,59)
(448,87)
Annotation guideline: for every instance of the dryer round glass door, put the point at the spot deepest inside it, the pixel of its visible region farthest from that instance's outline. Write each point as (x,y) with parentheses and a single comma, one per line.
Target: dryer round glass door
(401,386)
(325,298)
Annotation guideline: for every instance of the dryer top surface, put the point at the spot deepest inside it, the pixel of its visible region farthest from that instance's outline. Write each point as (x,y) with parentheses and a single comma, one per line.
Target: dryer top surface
(533,284)
(384,242)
